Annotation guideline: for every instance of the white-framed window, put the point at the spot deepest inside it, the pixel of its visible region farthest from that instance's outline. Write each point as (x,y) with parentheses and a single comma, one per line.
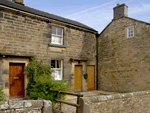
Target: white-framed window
(57,35)
(130,32)
(57,66)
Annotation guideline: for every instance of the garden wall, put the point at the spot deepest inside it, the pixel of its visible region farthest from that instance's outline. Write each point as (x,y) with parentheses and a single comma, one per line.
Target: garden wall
(135,102)
(26,106)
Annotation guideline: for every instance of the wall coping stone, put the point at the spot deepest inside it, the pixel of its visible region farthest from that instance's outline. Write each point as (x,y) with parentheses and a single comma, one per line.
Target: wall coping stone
(23,104)
(117,96)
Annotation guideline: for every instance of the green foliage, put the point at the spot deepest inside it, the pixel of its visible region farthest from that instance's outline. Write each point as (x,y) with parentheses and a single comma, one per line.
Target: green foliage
(41,82)
(2,96)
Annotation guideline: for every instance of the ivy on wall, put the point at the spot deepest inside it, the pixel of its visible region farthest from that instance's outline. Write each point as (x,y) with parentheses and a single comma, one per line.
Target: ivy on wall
(41,82)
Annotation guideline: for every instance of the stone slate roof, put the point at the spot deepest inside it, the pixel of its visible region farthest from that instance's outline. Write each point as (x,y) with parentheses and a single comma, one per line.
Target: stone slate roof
(44,14)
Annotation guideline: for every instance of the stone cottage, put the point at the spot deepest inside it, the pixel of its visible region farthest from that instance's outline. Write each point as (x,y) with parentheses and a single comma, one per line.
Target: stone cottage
(124,53)
(115,60)
(68,46)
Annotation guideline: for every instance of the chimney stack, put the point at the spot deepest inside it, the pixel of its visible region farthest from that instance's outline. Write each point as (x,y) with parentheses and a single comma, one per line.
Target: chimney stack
(120,10)
(18,1)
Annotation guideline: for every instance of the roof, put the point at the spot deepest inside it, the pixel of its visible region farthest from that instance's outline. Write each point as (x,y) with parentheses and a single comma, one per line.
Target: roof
(121,18)
(44,14)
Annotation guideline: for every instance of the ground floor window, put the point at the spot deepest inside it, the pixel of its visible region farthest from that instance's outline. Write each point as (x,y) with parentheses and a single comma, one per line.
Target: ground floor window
(57,68)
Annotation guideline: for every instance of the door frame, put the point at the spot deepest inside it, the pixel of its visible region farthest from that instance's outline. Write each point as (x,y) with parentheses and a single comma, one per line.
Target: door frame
(94,77)
(6,61)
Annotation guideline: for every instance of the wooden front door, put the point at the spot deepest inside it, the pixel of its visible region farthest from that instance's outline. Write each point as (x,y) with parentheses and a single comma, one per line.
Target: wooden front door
(91,77)
(16,80)
(77,78)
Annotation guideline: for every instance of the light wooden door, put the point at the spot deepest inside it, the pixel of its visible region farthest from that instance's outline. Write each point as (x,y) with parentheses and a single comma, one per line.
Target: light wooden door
(91,77)
(16,80)
(77,77)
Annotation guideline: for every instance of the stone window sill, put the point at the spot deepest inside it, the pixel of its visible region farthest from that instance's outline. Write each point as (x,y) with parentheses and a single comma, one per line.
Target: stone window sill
(56,45)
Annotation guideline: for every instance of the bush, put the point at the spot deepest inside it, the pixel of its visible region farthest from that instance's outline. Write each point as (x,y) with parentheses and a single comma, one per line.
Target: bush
(2,96)
(41,82)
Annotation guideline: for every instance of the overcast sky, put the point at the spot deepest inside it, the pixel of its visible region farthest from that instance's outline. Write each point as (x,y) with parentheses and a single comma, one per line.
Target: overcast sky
(94,13)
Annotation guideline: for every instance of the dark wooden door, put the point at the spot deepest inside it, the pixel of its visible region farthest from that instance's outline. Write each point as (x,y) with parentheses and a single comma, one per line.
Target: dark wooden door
(77,78)
(16,80)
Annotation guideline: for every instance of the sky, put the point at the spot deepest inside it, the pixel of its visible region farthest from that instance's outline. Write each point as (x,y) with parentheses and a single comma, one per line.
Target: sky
(93,13)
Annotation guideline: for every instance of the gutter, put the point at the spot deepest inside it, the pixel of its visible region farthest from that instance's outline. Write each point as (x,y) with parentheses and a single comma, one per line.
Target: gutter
(48,19)
(97,36)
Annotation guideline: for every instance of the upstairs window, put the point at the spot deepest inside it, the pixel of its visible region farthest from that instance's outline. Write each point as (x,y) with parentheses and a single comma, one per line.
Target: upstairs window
(57,68)
(130,32)
(57,35)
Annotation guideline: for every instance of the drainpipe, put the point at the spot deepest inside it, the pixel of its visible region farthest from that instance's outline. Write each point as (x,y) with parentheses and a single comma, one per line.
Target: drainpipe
(97,35)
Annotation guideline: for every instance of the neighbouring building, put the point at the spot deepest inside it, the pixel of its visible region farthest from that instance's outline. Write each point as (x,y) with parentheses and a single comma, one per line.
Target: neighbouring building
(68,46)
(124,53)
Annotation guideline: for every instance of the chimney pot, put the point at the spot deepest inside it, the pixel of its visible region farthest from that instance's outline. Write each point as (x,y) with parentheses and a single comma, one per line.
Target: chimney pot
(18,1)
(118,4)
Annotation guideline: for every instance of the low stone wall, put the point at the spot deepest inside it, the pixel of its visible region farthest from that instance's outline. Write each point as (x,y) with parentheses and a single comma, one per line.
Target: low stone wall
(135,102)
(26,106)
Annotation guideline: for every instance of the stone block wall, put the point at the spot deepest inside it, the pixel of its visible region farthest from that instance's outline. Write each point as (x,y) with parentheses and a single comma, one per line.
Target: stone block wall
(123,63)
(135,102)
(26,106)
(23,35)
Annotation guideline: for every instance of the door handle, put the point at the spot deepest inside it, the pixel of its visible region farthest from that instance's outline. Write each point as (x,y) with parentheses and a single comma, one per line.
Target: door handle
(16,77)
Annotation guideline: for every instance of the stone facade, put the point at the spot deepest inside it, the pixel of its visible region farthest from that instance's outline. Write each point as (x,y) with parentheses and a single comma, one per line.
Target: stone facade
(124,62)
(135,102)
(24,36)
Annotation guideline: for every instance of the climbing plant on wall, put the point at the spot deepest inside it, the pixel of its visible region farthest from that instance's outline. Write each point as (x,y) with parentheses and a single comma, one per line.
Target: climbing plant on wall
(41,82)
(2,96)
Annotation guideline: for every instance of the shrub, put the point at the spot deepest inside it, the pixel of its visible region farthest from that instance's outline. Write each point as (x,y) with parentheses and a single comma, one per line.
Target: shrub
(2,96)
(41,82)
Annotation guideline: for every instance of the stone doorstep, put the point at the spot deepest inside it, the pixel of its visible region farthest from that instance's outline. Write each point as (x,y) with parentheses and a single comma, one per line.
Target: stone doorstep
(17,99)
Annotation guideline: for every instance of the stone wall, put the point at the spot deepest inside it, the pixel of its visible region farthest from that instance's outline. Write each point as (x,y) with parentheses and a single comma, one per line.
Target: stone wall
(123,63)
(135,102)
(26,106)
(23,35)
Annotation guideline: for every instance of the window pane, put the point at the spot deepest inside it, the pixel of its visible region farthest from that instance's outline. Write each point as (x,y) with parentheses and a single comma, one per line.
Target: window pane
(53,30)
(59,31)
(129,29)
(58,63)
(53,39)
(129,35)
(130,32)
(56,39)
(59,40)
(53,63)
(57,74)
